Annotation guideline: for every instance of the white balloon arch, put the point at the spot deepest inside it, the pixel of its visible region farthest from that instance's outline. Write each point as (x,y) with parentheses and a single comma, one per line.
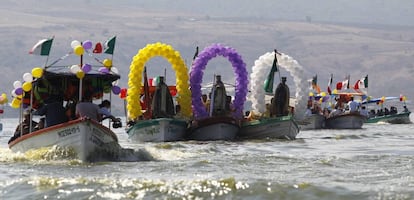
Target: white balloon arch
(260,70)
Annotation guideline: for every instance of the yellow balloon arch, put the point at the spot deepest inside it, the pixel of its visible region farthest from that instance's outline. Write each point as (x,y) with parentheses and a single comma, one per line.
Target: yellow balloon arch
(135,77)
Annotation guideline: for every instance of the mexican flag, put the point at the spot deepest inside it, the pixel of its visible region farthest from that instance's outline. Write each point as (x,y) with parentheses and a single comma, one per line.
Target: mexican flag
(42,47)
(110,45)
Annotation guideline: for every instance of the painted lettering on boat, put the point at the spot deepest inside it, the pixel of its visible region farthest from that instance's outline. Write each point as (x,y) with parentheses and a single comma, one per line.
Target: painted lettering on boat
(68,131)
(97,132)
(94,139)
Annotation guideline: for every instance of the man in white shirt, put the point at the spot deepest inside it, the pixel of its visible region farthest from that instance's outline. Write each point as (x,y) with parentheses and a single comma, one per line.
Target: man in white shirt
(353,105)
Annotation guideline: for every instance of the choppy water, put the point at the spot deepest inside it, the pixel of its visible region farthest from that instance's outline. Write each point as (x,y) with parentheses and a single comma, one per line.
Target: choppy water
(373,163)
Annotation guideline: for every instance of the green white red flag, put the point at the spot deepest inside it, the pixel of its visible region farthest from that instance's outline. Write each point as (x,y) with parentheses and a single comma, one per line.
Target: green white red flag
(42,47)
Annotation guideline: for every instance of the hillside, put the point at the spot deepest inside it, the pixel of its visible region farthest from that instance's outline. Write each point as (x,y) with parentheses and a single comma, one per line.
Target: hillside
(384,52)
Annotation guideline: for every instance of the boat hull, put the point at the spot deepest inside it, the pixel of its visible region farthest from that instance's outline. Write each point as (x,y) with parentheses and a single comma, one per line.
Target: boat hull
(346,121)
(214,128)
(90,140)
(270,128)
(399,118)
(158,130)
(312,122)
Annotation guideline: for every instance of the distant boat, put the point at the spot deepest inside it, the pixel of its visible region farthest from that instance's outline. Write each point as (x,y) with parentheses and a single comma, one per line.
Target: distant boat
(393,116)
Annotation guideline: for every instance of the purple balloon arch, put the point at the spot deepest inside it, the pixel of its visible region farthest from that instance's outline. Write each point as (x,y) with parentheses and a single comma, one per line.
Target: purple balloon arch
(196,78)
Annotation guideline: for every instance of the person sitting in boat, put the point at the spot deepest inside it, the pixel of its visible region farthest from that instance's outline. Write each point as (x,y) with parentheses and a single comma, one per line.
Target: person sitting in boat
(393,110)
(88,109)
(162,101)
(364,111)
(178,113)
(335,112)
(53,110)
(41,124)
(204,99)
(219,98)
(308,111)
(104,107)
(24,127)
(353,105)
(386,111)
(269,111)
(229,106)
(281,99)
(405,109)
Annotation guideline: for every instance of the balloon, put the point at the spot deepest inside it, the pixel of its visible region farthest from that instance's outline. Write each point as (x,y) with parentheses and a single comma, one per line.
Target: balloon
(107,63)
(27,86)
(16,103)
(116,89)
(114,70)
(80,74)
(98,48)
(18,91)
(123,93)
(104,70)
(27,77)
(78,50)
(135,77)
(87,44)
(173,92)
(75,43)
(199,65)
(86,68)
(37,72)
(17,84)
(75,69)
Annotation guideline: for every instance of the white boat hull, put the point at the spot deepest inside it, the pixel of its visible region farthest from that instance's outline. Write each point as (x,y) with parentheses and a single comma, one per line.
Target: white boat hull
(214,128)
(158,130)
(346,121)
(86,137)
(271,128)
(312,122)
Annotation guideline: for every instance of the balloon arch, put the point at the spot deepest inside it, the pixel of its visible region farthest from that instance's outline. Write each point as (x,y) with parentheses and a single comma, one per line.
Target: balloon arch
(135,77)
(196,78)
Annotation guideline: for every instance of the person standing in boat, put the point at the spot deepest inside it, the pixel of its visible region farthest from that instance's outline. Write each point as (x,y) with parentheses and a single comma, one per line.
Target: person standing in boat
(162,101)
(53,110)
(88,109)
(219,98)
(280,105)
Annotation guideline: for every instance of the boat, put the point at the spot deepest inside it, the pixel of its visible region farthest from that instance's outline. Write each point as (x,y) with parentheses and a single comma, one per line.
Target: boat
(88,139)
(312,122)
(151,122)
(391,116)
(345,121)
(221,120)
(270,128)
(261,124)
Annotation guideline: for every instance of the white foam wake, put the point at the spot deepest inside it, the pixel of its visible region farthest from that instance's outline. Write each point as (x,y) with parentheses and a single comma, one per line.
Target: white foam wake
(260,70)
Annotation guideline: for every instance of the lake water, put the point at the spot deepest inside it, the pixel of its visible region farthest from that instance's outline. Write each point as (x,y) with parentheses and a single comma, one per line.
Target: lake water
(375,162)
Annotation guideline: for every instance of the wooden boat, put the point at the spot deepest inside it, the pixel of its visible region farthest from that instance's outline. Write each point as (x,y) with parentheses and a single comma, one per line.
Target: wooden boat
(152,121)
(220,121)
(270,128)
(214,128)
(345,121)
(314,121)
(260,125)
(398,118)
(87,138)
(158,130)
(90,140)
